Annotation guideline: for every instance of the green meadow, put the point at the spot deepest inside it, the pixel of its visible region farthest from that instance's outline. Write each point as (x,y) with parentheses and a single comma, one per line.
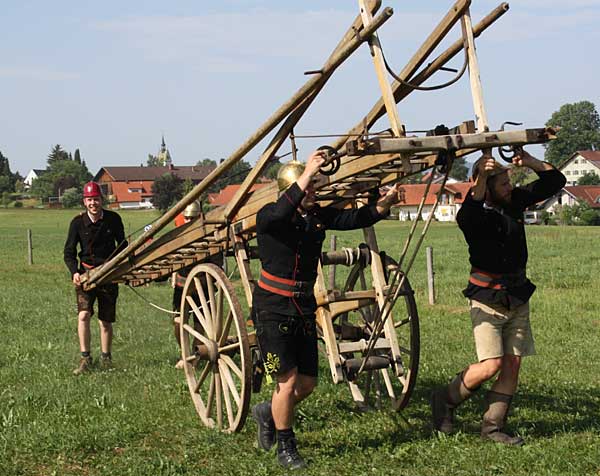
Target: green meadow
(138,419)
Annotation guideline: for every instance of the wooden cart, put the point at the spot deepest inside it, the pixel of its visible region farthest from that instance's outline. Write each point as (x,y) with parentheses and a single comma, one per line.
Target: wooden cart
(371,343)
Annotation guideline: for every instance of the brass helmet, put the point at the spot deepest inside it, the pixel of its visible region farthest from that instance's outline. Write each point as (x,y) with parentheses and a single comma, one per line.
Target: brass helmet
(288,174)
(192,210)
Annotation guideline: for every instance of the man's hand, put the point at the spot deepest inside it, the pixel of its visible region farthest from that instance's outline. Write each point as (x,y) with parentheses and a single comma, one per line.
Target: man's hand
(77,279)
(313,165)
(525,159)
(485,166)
(394,195)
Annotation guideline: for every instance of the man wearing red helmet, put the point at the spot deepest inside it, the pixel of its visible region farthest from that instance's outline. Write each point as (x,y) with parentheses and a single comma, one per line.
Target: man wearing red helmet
(100,234)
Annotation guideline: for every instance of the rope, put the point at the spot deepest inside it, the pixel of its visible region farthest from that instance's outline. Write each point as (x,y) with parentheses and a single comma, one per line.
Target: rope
(143,298)
(427,88)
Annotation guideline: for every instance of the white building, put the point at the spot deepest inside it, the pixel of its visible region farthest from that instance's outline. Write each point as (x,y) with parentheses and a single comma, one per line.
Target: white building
(31,176)
(580,163)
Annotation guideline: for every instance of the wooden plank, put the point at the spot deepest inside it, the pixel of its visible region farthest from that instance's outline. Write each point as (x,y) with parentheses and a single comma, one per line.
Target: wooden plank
(387,94)
(474,77)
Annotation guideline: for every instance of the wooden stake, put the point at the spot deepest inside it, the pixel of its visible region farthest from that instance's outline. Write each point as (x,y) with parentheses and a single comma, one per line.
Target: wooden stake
(29,247)
(332,267)
(430,275)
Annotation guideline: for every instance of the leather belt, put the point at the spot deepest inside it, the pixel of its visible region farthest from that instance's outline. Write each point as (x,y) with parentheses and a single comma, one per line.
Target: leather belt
(285,287)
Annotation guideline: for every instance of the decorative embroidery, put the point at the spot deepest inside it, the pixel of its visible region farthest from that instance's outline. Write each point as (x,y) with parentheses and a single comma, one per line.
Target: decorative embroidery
(272,363)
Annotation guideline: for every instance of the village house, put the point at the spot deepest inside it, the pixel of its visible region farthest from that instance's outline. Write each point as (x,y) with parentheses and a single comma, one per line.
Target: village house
(450,202)
(32,175)
(580,163)
(130,187)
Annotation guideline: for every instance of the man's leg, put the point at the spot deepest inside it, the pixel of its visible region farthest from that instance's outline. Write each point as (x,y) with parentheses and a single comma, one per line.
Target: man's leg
(106,337)
(83,332)
(498,401)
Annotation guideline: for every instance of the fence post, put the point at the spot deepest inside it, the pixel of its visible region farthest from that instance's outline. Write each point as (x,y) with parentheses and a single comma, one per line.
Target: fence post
(430,275)
(333,246)
(29,247)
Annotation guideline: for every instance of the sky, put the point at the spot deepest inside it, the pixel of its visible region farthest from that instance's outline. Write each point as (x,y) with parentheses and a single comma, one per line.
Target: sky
(112,77)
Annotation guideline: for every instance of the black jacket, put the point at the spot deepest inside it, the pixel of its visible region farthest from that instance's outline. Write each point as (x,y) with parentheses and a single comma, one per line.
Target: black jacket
(496,238)
(289,245)
(97,241)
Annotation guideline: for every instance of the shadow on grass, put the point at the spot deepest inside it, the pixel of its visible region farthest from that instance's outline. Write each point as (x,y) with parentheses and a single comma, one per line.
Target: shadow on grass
(539,411)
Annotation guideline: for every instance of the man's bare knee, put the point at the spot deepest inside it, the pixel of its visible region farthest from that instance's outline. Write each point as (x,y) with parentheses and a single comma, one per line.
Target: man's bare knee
(84,316)
(511,364)
(286,382)
(491,367)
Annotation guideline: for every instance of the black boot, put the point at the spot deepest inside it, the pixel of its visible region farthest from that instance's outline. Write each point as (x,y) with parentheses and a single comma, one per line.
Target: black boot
(266,426)
(287,452)
(445,400)
(494,419)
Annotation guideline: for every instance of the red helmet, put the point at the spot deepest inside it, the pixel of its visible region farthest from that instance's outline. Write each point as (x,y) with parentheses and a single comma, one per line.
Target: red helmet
(91,189)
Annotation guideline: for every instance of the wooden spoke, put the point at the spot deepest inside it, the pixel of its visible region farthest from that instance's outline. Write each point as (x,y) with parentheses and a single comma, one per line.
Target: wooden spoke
(216,319)
(219,398)
(198,313)
(197,335)
(232,365)
(212,318)
(227,404)
(203,376)
(226,374)
(229,347)
(226,328)
(212,389)
(400,376)
(210,331)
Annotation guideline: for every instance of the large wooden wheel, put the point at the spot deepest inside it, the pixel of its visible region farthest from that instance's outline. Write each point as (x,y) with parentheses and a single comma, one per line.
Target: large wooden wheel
(397,380)
(215,349)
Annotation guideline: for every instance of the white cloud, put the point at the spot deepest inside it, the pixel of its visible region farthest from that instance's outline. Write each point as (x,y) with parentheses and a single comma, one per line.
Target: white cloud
(37,74)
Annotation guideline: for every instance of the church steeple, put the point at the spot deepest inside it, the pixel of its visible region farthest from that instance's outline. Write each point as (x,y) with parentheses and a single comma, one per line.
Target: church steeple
(164,156)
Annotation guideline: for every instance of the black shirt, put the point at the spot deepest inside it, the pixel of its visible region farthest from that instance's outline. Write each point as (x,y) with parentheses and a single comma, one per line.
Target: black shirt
(289,245)
(496,238)
(97,241)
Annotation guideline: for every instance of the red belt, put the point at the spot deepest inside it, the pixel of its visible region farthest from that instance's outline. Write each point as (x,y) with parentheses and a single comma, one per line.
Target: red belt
(87,266)
(285,287)
(489,280)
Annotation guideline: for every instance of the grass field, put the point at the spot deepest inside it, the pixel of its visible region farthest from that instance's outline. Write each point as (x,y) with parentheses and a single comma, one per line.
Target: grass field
(137,419)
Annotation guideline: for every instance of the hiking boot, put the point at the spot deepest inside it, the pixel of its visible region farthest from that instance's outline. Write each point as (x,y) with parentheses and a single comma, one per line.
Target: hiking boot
(84,365)
(266,426)
(288,456)
(441,413)
(106,362)
(494,419)
(445,400)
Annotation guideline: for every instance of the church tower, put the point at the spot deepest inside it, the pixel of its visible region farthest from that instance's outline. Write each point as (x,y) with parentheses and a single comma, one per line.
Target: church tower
(164,156)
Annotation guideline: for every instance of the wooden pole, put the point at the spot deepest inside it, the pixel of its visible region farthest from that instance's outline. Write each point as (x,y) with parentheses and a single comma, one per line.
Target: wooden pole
(333,247)
(29,247)
(430,275)
(300,95)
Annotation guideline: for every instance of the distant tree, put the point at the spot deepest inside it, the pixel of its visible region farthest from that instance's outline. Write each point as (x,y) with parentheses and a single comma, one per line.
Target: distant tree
(459,170)
(71,198)
(188,185)
(5,184)
(236,174)
(206,163)
(57,154)
(580,130)
(589,178)
(77,156)
(7,178)
(166,190)
(153,161)
(60,176)
(5,199)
